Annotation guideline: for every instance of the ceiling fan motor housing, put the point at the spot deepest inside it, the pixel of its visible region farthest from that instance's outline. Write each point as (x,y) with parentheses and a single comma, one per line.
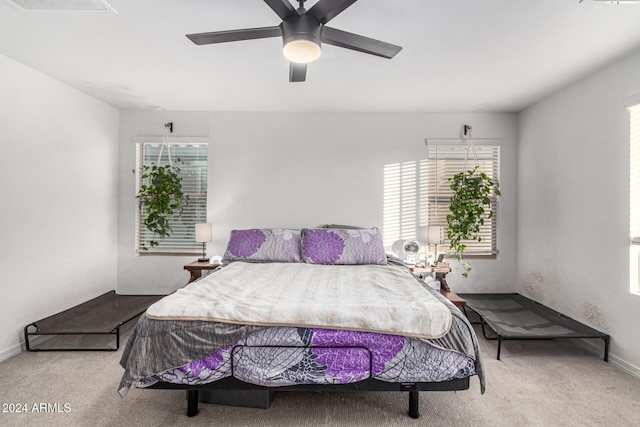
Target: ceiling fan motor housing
(301,27)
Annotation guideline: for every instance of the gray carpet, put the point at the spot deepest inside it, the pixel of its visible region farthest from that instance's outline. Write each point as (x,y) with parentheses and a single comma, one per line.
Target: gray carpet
(537,383)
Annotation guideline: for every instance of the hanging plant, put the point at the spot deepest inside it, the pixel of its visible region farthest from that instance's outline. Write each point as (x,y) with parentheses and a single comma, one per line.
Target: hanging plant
(470,205)
(161,196)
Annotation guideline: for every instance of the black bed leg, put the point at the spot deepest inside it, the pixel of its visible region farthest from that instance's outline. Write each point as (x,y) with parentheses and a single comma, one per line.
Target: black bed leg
(606,348)
(192,403)
(499,345)
(414,399)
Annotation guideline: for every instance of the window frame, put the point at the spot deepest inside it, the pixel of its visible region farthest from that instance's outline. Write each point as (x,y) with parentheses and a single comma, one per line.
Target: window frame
(489,158)
(196,249)
(405,217)
(632,105)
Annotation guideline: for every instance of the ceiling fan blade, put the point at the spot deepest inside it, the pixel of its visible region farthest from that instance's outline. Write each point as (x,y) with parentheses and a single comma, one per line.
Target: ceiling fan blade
(235,35)
(325,10)
(297,72)
(360,43)
(282,8)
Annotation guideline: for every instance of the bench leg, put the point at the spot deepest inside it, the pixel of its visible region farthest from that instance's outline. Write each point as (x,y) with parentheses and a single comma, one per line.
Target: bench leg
(606,348)
(499,345)
(26,337)
(414,399)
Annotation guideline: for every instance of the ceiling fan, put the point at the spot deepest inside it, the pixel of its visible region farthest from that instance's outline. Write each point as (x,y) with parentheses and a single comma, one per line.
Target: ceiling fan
(302,33)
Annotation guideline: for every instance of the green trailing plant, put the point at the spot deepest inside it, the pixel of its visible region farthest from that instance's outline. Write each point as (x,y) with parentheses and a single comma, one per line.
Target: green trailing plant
(161,197)
(470,206)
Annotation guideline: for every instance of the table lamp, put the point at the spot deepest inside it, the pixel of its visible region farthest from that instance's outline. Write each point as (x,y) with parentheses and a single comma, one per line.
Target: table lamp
(436,237)
(203,235)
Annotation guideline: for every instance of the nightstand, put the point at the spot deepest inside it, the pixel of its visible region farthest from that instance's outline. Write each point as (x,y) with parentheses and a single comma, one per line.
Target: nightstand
(441,275)
(196,268)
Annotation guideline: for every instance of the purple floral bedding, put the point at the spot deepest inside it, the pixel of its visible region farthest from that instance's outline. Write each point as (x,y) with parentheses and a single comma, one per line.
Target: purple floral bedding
(284,356)
(191,352)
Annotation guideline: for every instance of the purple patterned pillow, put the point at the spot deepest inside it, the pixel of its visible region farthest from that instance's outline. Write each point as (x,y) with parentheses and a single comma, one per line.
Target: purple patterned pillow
(343,246)
(279,245)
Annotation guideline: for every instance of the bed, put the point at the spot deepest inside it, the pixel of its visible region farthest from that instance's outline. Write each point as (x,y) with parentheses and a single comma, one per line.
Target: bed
(300,310)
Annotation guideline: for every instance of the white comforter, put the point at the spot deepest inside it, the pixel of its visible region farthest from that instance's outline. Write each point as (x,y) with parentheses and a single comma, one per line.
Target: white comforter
(373,298)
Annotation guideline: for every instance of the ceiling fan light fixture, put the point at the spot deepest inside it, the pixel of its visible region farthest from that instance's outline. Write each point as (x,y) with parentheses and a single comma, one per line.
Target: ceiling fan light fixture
(301,38)
(302,50)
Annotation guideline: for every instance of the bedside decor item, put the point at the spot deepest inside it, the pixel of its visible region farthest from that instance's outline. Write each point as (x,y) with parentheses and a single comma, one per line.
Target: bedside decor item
(411,248)
(203,235)
(160,194)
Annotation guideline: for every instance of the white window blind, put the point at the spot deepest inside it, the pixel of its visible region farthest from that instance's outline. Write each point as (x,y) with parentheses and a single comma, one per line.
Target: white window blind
(191,158)
(446,160)
(401,204)
(634,170)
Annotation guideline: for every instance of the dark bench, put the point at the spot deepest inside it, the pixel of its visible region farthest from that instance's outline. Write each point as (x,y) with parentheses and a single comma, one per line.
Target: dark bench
(515,317)
(103,315)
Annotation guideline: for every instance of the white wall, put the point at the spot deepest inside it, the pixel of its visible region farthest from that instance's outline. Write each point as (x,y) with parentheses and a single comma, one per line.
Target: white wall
(58,227)
(573,206)
(305,169)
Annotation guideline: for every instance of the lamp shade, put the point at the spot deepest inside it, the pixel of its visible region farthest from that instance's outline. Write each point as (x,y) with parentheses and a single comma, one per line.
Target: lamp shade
(422,234)
(203,233)
(436,234)
(301,51)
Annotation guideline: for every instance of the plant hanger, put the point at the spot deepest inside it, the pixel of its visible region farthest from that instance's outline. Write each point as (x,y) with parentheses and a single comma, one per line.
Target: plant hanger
(466,136)
(168,128)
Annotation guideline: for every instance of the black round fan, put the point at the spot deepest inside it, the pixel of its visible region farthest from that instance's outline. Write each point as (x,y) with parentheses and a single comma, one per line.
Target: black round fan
(302,33)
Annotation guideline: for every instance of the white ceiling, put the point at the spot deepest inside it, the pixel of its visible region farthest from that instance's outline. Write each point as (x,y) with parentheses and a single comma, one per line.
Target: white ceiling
(458,55)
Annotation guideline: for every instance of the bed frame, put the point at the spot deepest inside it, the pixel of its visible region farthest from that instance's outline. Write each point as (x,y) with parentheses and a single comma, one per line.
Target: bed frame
(515,317)
(370,384)
(232,384)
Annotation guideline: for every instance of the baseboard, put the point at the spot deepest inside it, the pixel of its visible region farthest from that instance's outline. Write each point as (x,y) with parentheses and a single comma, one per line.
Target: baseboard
(20,347)
(592,347)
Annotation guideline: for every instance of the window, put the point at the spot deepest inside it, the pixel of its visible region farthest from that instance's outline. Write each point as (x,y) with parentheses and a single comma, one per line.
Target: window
(192,161)
(634,196)
(444,161)
(401,202)
(416,194)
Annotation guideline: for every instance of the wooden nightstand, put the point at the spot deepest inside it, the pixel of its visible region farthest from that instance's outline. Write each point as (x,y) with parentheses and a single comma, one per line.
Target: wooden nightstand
(441,275)
(196,268)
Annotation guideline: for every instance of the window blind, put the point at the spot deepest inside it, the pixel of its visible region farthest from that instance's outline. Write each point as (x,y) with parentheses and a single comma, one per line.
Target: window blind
(634,171)
(446,160)
(191,158)
(400,209)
